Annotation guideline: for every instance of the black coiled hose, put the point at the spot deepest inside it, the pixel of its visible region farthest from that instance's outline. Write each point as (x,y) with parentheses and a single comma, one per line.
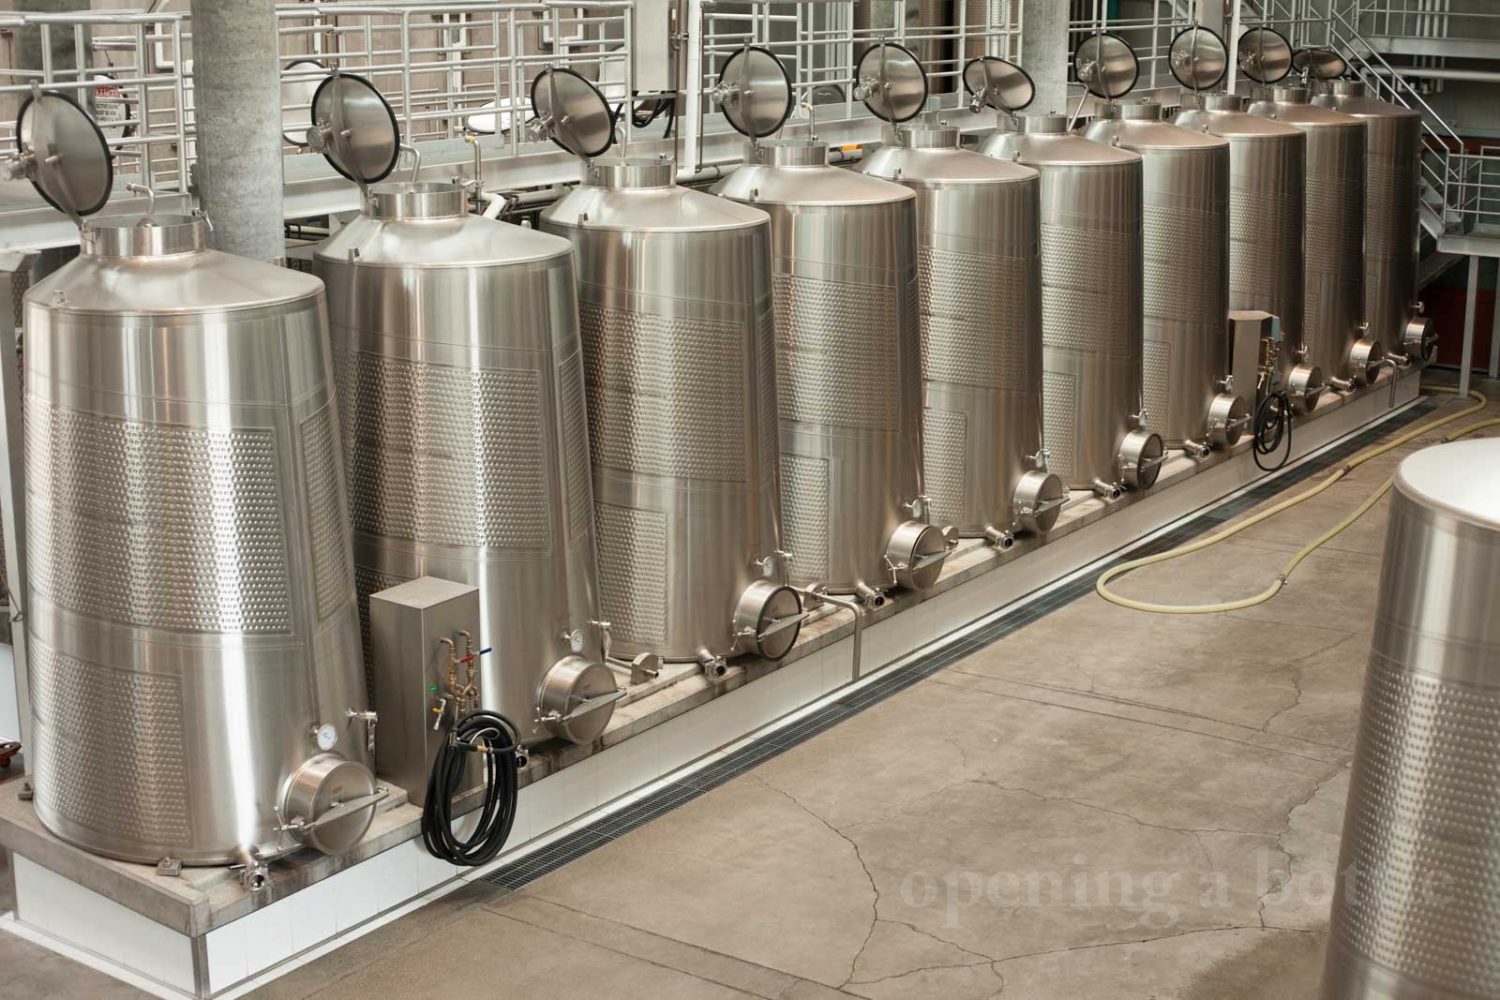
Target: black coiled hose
(492,735)
(1273,424)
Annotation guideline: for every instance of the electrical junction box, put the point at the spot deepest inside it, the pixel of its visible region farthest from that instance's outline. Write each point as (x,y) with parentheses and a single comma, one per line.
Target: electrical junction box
(1253,336)
(408,624)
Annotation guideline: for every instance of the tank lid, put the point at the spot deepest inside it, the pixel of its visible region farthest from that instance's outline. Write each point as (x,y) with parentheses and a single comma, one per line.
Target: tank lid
(416,200)
(620,172)
(1223,102)
(1289,95)
(1461,478)
(1044,124)
(926,136)
(790,153)
(1142,110)
(159,236)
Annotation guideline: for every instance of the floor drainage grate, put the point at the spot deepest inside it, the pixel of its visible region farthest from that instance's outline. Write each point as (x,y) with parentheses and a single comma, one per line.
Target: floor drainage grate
(689,787)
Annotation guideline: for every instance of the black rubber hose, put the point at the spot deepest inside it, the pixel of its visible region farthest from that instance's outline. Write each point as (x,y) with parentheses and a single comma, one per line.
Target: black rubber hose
(1272,427)
(490,734)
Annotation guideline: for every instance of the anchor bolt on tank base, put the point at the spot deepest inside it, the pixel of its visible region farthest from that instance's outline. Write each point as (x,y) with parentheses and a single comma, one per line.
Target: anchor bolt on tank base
(1141,455)
(1039,500)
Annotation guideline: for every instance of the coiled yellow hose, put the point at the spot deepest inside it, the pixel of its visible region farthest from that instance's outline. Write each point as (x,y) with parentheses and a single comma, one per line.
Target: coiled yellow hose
(1102,584)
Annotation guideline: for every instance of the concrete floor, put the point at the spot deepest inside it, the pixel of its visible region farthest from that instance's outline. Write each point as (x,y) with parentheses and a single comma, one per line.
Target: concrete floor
(1104,804)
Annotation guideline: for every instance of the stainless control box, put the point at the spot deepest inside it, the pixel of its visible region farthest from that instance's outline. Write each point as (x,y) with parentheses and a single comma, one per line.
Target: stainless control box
(408,624)
(1252,333)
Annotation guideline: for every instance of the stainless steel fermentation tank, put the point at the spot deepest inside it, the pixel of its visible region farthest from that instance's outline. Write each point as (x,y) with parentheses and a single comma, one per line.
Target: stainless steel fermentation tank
(1092,288)
(196,684)
(1267,176)
(1393,135)
(979,279)
(848,361)
(455,341)
(679,358)
(1333,328)
(1185,232)
(1418,888)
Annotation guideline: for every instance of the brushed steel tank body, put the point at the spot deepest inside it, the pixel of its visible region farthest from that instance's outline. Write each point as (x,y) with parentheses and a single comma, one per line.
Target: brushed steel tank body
(1185,234)
(1267,181)
(1414,911)
(1393,165)
(192,617)
(1334,236)
(848,353)
(1092,288)
(675,309)
(979,282)
(460,375)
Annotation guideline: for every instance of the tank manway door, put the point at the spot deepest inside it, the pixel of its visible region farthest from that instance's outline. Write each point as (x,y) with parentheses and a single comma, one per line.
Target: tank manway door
(62,153)
(355,129)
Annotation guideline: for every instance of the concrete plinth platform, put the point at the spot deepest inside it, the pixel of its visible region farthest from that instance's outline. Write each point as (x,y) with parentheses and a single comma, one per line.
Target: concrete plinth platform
(202,935)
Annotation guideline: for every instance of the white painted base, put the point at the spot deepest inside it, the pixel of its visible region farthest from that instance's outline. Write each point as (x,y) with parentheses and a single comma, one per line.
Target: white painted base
(243,954)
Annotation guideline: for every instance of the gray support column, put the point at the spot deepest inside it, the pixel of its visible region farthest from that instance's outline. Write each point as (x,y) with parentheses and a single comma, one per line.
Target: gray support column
(1466,364)
(237,109)
(1495,328)
(1044,52)
(1212,14)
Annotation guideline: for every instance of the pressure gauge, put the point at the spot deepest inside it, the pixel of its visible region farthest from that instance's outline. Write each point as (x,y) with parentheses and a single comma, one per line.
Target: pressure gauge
(575,640)
(326,736)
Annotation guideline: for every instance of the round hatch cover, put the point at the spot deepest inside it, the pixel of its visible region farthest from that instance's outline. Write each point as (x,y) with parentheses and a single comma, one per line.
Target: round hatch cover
(572,112)
(1106,65)
(354,128)
(1198,58)
(999,83)
(1265,55)
(891,82)
(328,803)
(1320,64)
(754,92)
(69,162)
(299,84)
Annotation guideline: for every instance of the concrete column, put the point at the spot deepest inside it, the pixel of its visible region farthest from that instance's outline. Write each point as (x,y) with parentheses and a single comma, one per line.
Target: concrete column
(1044,52)
(1212,14)
(237,108)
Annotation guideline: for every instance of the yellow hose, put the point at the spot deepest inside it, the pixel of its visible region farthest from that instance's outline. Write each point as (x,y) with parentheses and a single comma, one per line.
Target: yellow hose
(1101,585)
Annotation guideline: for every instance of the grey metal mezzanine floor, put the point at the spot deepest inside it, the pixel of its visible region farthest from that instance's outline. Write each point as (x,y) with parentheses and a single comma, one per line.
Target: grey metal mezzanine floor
(1088,803)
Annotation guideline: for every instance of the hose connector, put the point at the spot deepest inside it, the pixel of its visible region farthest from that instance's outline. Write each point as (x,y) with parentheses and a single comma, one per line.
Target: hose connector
(868,595)
(1000,539)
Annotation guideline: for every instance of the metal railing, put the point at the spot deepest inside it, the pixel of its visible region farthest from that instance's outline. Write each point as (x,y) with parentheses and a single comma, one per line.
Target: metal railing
(1455,177)
(1150,36)
(1427,19)
(121,66)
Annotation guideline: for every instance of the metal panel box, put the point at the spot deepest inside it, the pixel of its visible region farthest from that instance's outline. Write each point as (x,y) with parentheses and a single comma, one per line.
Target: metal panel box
(408,624)
(1249,330)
